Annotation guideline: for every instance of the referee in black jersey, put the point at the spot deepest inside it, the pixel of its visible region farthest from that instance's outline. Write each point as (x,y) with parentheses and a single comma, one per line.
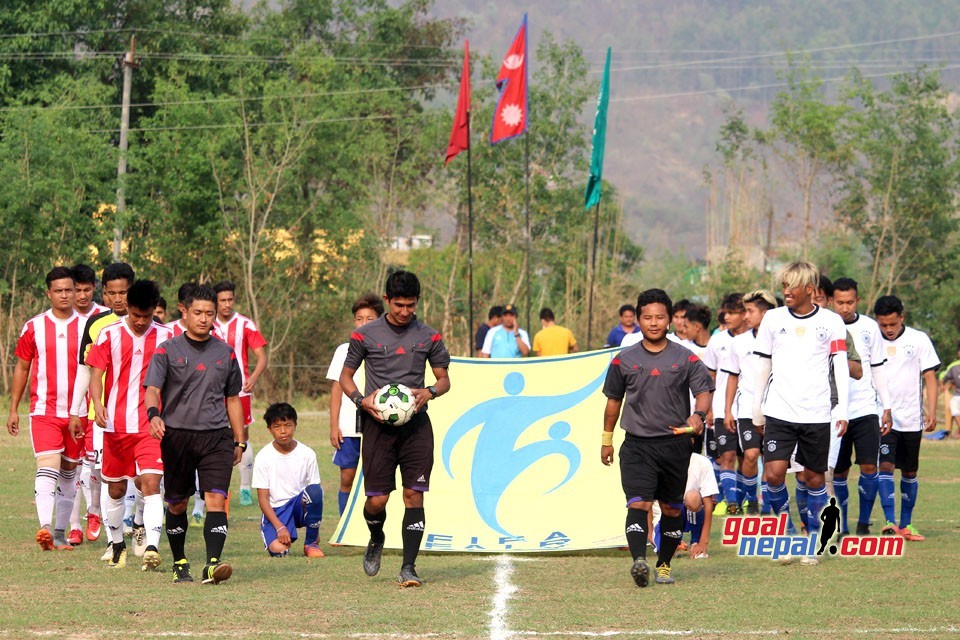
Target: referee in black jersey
(197,381)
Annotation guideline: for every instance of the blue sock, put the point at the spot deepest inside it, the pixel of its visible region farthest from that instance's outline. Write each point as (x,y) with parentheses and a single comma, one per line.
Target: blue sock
(765,493)
(312,513)
(843,497)
(740,490)
(656,535)
(908,499)
(780,502)
(868,495)
(694,523)
(728,486)
(342,498)
(887,496)
(801,493)
(816,501)
(749,484)
(717,474)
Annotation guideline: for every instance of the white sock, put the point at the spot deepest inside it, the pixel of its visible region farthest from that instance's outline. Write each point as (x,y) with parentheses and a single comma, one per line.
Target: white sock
(44,493)
(153,518)
(85,471)
(96,487)
(104,502)
(66,493)
(77,501)
(246,469)
(130,500)
(138,508)
(115,519)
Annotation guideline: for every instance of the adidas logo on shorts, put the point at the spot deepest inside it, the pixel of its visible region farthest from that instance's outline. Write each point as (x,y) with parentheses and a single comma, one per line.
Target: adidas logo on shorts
(416,526)
(421,479)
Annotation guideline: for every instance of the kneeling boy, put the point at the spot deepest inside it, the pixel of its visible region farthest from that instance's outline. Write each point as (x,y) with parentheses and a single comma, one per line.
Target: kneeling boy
(287,481)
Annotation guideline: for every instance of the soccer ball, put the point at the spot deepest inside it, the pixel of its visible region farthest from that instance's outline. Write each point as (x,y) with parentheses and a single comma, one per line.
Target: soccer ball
(395,403)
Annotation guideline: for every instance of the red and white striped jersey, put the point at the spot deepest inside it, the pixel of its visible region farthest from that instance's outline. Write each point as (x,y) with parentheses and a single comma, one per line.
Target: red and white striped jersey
(93,310)
(52,346)
(125,357)
(241,333)
(178,327)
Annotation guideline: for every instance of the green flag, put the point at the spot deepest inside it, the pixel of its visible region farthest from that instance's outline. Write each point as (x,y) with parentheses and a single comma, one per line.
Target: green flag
(599,136)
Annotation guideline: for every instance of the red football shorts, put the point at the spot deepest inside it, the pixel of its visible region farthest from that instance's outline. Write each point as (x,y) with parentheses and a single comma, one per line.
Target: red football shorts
(127,455)
(52,435)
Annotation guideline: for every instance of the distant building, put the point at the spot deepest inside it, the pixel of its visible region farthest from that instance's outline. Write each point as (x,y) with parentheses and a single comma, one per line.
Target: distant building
(406,243)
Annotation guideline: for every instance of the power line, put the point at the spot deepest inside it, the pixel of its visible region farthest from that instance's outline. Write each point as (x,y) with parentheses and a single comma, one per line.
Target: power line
(232,125)
(169,103)
(776,85)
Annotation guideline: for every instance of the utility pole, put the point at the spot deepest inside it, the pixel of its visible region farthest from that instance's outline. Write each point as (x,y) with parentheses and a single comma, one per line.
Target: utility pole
(128,66)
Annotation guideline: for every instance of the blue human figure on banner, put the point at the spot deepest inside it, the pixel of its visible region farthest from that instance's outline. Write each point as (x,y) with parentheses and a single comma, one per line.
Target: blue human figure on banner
(502,421)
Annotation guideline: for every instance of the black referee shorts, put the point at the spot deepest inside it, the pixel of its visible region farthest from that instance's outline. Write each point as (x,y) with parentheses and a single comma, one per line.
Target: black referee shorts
(384,447)
(654,468)
(189,454)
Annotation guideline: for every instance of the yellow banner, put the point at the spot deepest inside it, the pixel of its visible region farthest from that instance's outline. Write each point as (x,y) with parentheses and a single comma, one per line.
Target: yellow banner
(517,462)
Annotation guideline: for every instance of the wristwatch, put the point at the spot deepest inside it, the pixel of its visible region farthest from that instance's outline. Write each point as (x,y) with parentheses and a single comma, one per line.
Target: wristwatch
(242,445)
(433,390)
(703,416)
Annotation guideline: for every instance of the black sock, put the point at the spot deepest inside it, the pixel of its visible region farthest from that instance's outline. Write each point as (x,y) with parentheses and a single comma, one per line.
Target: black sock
(413,521)
(215,534)
(637,532)
(671,530)
(375,524)
(177,534)
(118,548)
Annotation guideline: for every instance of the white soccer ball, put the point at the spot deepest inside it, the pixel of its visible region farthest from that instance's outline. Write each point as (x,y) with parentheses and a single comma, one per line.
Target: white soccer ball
(395,404)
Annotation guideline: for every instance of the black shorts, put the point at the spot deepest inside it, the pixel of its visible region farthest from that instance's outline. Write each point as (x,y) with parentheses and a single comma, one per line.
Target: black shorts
(654,468)
(710,440)
(902,448)
(750,438)
(811,440)
(384,448)
(189,455)
(697,441)
(725,441)
(863,436)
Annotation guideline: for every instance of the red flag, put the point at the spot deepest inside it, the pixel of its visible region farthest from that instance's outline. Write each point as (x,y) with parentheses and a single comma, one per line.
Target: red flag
(510,116)
(460,134)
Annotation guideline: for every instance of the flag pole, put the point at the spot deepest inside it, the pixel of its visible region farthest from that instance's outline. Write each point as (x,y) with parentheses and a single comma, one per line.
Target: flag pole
(526,155)
(593,270)
(470,236)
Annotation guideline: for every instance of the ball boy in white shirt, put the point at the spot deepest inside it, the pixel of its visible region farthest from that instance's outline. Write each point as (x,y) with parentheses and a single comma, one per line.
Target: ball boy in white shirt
(287,481)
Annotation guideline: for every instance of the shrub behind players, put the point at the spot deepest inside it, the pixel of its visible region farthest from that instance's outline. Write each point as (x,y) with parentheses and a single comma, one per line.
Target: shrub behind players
(912,363)
(118,365)
(798,345)
(197,379)
(864,429)
(343,413)
(241,333)
(655,378)
(51,338)
(395,349)
(287,481)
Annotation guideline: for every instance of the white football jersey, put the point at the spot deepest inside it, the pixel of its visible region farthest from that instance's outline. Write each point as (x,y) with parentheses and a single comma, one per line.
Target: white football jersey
(908,357)
(869,342)
(700,476)
(715,356)
(800,348)
(744,364)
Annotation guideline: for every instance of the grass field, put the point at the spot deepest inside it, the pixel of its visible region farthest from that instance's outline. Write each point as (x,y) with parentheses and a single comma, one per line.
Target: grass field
(589,594)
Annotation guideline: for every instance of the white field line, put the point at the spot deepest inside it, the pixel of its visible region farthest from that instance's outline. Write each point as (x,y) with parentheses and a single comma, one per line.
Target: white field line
(504,590)
(512,634)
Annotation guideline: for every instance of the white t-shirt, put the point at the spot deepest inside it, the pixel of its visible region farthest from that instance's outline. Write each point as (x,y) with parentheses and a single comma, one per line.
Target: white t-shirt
(285,474)
(908,357)
(744,364)
(700,476)
(869,342)
(800,348)
(715,356)
(348,410)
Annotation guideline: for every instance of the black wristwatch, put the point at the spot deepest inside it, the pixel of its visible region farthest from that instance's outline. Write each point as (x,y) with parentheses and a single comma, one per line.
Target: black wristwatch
(703,416)
(433,390)
(357,399)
